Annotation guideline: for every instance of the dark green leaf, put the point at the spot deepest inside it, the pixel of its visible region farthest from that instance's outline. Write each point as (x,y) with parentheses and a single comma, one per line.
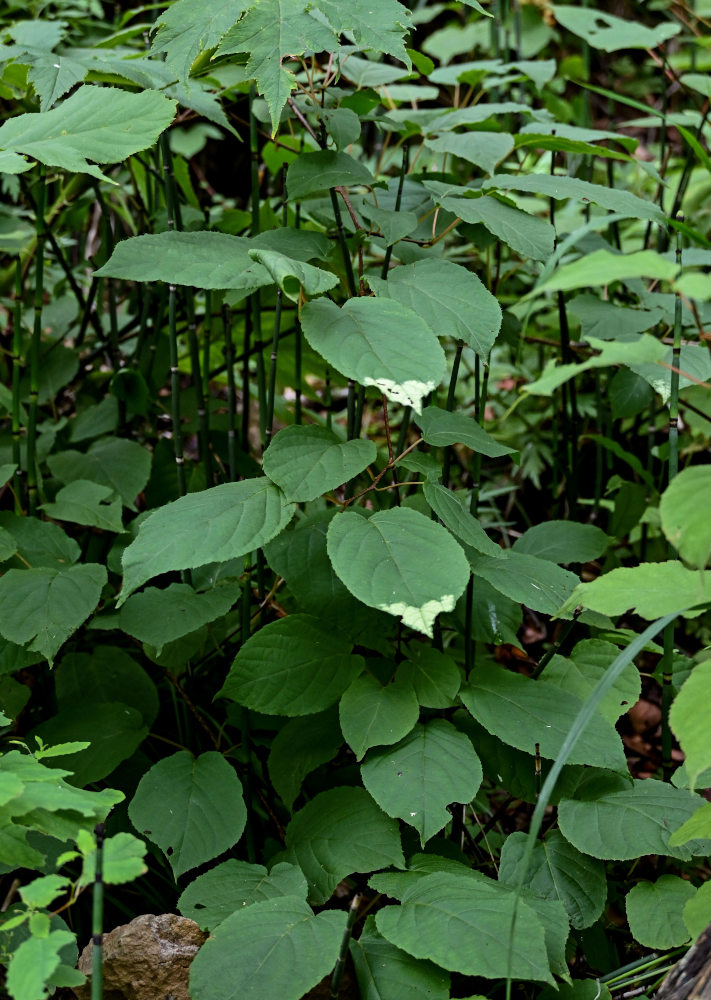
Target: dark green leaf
(375,714)
(224,890)
(306,462)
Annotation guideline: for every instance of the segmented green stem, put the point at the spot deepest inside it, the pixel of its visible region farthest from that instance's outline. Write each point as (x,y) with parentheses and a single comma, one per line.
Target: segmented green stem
(97,922)
(340,966)
(175,393)
(16,365)
(35,345)
(231,395)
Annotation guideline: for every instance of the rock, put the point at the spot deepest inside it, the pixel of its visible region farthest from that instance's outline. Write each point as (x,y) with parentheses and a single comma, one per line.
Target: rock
(690,979)
(148,959)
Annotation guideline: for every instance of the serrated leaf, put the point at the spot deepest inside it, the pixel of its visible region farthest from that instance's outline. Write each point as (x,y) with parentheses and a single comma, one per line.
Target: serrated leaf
(273,948)
(687,721)
(526,234)
(523,712)
(226,889)
(655,911)
(41,892)
(385,972)
(102,124)
(84,502)
(186,29)
(442,428)
(477,916)
(219,524)
(558,187)
(338,833)
(537,583)
(33,963)
(620,822)
(448,507)
(162,616)
(122,861)
(434,675)
(192,808)
(563,541)
(683,522)
(380,28)
(306,462)
(45,606)
(587,664)
(375,714)
(449,298)
(399,561)
(558,871)
(292,666)
(483,149)
(416,779)
(377,342)
(299,747)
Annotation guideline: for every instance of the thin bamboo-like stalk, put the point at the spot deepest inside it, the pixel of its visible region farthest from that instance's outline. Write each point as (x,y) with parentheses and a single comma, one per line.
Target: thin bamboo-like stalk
(16,365)
(481,386)
(340,966)
(273,369)
(97,922)
(175,393)
(231,395)
(35,345)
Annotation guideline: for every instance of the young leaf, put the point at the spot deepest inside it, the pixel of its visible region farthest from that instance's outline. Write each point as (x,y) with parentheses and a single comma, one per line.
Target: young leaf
(218,524)
(275,948)
(683,520)
(375,714)
(33,963)
(123,859)
(449,298)
(299,747)
(602,267)
(102,124)
(697,911)
(192,808)
(655,911)
(338,833)
(306,462)
(418,778)
(399,561)
(462,925)
(688,722)
(292,666)
(226,889)
(523,712)
(377,342)
(186,29)
(45,606)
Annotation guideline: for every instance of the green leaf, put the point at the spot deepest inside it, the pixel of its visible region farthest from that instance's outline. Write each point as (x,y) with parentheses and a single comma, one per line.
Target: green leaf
(293,276)
(306,462)
(377,342)
(687,721)
(33,963)
(655,911)
(697,911)
(683,522)
(645,350)
(273,948)
(418,778)
(339,833)
(102,124)
(123,859)
(114,731)
(186,29)
(380,28)
(40,543)
(122,465)
(191,807)
(435,676)
(556,186)
(226,889)
(484,149)
(113,677)
(315,172)
(537,583)
(696,827)
(620,822)
(587,664)
(220,523)
(298,748)
(526,234)
(41,892)
(374,714)
(45,606)
(609,33)
(399,561)
(462,924)
(451,511)
(449,298)
(523,712)
(650,590)
(602,267)
(442,428)
(292,666)
(558,871)
(563,542)
(161,616)
(385,972)
(84,502)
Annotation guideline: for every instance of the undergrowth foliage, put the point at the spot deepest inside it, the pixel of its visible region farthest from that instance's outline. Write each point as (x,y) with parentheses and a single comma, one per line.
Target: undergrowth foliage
(354,418)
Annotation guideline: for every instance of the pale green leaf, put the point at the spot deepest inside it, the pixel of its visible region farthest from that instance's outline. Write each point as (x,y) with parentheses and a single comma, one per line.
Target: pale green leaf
(609,33)
(274,948)
(399,561)
(226,889)
(218,524)
(689,723)
(187,29)
(378,27)
(449,298)
(40,543)
(45,606)
(650,590)
(339,833)
(556,186)
(417,779)
(374,714)
(102,124)
(377,342)
(644,350)
(161,616)
(697,826)
(523,712)
(306,462)
(192,808)
(526,234)
(33,963)
(587,664)
(655,912)
(122,465)
(123,860)
(602,267)
(293,276)
(697,911)
(292,666)
(683,520)
(41,892)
